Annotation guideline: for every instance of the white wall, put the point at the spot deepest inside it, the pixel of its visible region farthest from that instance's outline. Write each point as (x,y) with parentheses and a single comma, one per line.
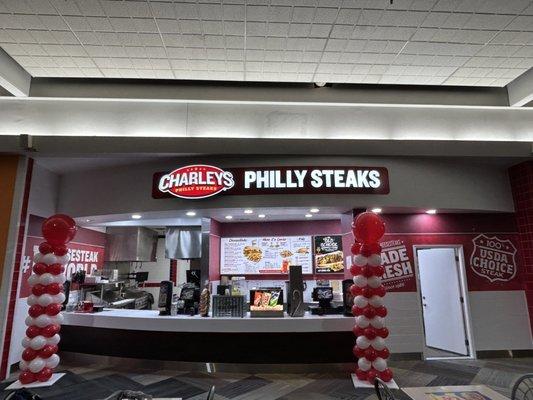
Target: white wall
(42,201)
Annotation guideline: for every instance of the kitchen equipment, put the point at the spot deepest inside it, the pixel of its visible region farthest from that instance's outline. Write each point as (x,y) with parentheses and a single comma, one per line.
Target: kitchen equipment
(130,243)
(324,296)
(165,297)
(295,292)
(228,306)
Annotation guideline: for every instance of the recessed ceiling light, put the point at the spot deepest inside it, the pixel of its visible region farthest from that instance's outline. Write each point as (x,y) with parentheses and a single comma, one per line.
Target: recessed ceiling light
(261,216)
(190,213)
(431,211)
(136,216)
(376,210)
(314,210)
(228,217)
(308,215)
(248,211)
(87,220)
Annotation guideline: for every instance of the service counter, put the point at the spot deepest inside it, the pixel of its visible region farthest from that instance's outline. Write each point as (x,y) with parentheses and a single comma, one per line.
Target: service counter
(145,334)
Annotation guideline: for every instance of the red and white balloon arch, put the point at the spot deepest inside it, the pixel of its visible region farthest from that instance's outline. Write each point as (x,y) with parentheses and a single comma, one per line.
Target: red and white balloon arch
(39,357)
(368,292)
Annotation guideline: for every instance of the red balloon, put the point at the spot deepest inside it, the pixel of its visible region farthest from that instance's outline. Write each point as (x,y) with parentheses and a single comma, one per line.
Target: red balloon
(369,312)
(358,331)
(358,352)
(39,268)
(355,290)
(380,291)
(55,269)
(59,229)
(379,270)
(45,248)
(356,270)
(368,228)
(27,377)
(36,310)
(48,350)
(356,311)
(38,289)
(368,271)
(384,353)
(29,354)
(53,288)
(370,333)
(50,330)
(386,375)
(370,354)
(361,375)
(371,375)
(383,332)
(356,248)
(32,331)
(44,374)
(367,292)
(53,309)
(366,250)
(381,311)
(375,248)
(60,250)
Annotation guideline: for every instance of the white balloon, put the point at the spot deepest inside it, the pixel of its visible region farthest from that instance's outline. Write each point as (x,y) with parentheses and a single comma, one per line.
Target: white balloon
(23,365)
(52,361)
(45,299)
(38,342)
(360,280)
(58,319)
(49,259)
(60,279)
(29,321)
(31,300)
(54,339)
(63,259)
(33,280)
(25,342)
(380,364)
(377,322)
(37,258)
(362,321)
(374,260)
(58,298)
(359,260)
(360,301)
(378,343)
(36,365)
(364,364)
(374,281)
(362,342)
(43,320)
(376,301)
(46,279)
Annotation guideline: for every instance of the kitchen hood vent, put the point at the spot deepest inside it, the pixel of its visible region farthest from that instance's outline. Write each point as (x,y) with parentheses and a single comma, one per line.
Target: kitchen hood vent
(183,242)
(131,244)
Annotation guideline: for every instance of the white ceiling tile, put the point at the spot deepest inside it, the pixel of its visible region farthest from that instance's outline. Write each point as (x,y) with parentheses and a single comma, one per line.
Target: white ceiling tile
(100,24)
(190,26)
(277,29)
(78,23)
(456,20)
(320,31)
(348,16)
(279,14)
(139,9)
(342,31)
(66,7)
(90,7)
(325,15)
(311,56)
(54,23)
(315,44)
(483,21)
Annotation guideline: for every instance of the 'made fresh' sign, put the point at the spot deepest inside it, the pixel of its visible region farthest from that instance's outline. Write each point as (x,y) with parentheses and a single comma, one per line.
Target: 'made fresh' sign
(201,181)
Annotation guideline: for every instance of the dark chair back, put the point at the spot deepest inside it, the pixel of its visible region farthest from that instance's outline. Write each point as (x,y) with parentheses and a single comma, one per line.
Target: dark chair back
(382,390)
(211,393)
(523,388)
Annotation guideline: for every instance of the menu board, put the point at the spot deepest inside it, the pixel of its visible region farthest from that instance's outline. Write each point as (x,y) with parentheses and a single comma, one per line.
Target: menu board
(328,254)
(265,255)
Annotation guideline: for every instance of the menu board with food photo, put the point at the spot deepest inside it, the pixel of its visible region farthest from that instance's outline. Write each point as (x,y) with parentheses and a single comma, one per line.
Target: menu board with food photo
(328,254)
(265,255)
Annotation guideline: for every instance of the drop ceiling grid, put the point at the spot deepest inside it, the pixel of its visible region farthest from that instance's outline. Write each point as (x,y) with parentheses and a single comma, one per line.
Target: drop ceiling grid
(449,42)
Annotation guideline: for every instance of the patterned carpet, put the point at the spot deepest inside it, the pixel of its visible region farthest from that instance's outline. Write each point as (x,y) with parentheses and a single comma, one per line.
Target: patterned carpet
(96,382)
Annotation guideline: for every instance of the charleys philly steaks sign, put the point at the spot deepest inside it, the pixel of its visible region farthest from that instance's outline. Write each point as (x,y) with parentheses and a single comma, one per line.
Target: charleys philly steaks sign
(201,181)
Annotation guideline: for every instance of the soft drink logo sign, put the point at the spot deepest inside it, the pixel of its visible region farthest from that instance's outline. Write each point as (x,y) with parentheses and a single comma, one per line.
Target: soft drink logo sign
(196,181)
(493,258)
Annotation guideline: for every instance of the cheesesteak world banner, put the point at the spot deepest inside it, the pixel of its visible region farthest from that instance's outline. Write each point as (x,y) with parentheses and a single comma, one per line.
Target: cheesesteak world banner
(86,252)
(491,260)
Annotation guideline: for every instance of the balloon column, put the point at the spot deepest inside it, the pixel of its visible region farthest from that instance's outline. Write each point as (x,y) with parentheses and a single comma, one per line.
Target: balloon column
(368,294)
(40,343)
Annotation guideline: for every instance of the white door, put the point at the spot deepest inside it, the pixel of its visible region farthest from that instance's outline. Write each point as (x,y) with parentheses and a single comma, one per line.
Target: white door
(442,300)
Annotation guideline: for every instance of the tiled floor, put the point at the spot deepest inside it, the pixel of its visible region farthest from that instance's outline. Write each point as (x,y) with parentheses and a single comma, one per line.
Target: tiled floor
(96,382)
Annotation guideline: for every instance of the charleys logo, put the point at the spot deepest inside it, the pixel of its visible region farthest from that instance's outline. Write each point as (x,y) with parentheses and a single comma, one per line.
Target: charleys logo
(196,181)
(493,258)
